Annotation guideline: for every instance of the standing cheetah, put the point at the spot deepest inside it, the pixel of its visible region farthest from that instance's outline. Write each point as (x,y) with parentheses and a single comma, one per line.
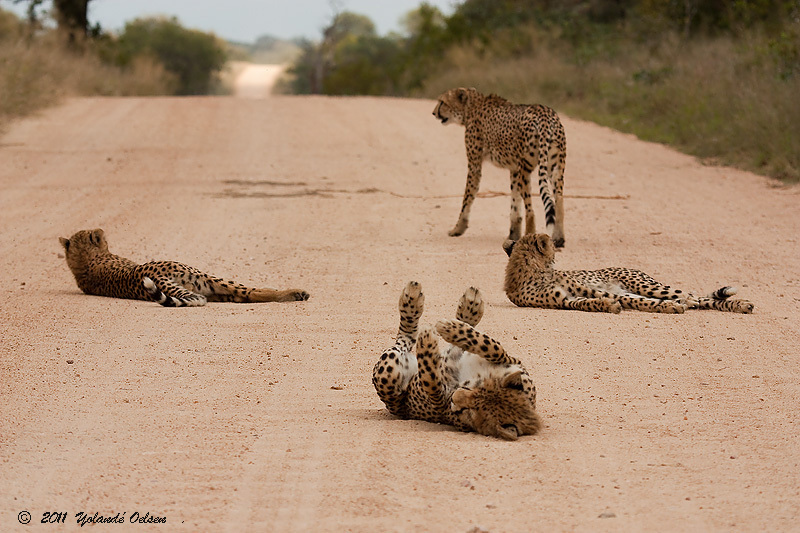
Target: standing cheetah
(473,384)
(531,281)
(99,272)
(518,138)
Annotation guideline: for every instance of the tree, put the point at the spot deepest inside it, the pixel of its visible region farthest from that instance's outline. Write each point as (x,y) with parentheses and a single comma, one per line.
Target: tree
(72,17)
(193,56)
(343,43)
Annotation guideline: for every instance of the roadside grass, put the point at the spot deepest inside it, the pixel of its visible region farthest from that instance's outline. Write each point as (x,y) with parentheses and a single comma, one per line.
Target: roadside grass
(37,72)
(724,101)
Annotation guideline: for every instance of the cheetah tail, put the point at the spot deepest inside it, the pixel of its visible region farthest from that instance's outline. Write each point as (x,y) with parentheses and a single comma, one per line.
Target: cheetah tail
(723,293)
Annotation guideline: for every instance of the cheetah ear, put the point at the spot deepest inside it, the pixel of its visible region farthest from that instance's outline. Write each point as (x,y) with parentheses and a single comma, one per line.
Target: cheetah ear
(541,242)
(513,380)
(65,243)
(508,246)
(96,236)
(462,95)
(464,399)
(508,432)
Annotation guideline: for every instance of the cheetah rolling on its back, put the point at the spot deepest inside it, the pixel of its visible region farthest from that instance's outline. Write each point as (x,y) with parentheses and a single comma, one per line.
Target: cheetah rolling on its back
(531,281)
(99,272)
(473,384)
(515,137)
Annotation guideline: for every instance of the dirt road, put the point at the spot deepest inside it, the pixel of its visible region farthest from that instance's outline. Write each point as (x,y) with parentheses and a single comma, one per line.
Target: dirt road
(263,418)
(254,80)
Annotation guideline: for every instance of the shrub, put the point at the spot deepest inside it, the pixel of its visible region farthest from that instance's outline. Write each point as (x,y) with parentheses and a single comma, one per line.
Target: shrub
(37,71)
(193,57)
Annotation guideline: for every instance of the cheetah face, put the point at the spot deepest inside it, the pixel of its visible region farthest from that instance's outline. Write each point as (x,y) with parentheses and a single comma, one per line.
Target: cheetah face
(444,113)
(450,108)
(497,408)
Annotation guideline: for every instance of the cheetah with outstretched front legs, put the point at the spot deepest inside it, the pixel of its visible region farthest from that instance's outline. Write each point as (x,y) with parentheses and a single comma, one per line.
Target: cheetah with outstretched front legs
(531,281)
(473,384)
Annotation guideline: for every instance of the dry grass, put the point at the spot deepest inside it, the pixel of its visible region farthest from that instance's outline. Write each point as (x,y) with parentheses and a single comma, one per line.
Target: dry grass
(39,72)
(721,100)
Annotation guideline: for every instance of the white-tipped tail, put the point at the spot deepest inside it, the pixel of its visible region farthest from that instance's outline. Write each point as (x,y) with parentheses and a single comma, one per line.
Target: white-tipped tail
(723,293)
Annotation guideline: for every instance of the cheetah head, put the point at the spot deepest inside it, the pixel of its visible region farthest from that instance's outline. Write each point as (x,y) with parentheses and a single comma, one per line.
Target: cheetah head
(82,246)
(451,107)
(537,249)
(498,408)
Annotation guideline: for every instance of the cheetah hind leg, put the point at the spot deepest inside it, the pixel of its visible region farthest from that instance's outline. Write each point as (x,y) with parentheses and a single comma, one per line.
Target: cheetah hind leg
(274,295)
(652,305)
(169,294)
(720,301)
(469,339)
(429,364)
(219,290)
(470,307)
(642,292)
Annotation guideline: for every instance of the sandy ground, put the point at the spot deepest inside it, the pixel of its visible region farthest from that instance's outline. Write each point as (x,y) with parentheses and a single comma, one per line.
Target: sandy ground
(263,418)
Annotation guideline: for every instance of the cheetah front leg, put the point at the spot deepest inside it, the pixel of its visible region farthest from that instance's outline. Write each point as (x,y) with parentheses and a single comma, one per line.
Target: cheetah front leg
(594,305)
(470,191)
(397,365)
(411,306)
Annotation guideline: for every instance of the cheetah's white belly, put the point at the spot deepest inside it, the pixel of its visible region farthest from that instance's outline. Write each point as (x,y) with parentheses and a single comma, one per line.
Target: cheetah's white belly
(474,368)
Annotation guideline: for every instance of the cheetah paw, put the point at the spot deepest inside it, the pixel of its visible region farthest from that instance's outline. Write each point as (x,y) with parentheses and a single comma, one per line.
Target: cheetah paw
(470,306)
(300,295)
(612,306)
(459,229)
(671,307)
(412,300)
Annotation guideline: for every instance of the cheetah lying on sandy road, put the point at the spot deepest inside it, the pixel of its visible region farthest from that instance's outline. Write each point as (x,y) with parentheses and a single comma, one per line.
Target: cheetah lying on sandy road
(473,384)
(531,281)
(99,272)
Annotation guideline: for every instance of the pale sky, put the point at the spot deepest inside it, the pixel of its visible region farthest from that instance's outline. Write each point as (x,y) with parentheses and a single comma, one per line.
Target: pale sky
(246,20)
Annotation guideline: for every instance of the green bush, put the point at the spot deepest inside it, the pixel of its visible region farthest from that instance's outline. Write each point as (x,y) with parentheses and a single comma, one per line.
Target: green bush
(195,58)
(724,99)
(715,78)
